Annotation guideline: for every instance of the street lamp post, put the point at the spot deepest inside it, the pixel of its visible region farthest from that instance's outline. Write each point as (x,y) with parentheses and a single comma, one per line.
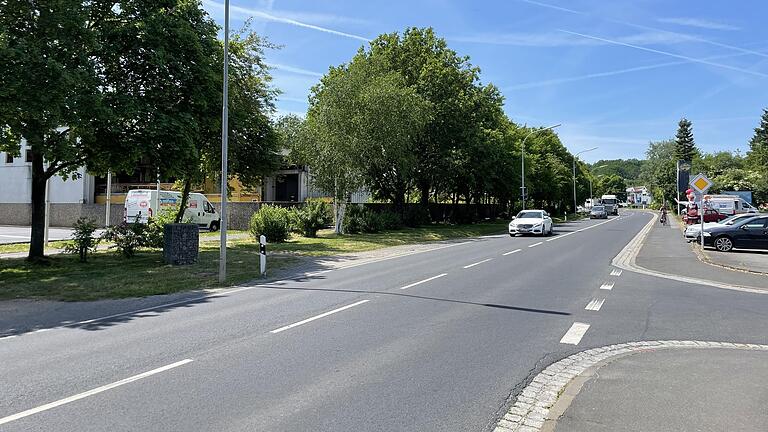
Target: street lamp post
(591,197)
(224,137)
(522,159)
(574,175)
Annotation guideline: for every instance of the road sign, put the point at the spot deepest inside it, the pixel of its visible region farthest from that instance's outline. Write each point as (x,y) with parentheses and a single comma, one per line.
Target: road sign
(701,183)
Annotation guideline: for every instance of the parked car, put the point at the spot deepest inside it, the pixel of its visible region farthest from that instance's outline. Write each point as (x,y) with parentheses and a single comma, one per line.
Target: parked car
(531,222)
(710,215)
(598,212)
(693,232)
(745,233)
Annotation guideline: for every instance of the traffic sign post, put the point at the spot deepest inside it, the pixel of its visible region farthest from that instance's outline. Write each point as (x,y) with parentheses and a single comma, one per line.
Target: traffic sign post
(701,184)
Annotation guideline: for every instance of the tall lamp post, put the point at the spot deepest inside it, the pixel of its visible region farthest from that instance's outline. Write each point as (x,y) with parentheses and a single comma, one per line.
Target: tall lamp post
(523,194)
(574,174)
(590,179)
(224,137)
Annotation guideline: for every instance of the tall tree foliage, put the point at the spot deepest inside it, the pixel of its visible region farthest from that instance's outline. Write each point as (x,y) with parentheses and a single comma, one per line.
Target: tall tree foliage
(758,145)
(685,147)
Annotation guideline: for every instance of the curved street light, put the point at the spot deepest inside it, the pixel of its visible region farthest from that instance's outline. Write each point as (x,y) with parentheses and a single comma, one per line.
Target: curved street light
(523,194)
(574,174)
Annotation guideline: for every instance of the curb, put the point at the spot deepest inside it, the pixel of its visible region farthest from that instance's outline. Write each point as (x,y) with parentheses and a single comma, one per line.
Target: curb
(533,407)
(626,260)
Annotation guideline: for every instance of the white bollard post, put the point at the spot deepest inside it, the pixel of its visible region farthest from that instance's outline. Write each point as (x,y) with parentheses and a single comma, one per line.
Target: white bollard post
(263,254)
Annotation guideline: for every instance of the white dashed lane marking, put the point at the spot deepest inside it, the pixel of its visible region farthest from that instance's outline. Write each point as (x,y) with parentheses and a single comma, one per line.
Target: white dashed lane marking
(595,304)
(607,286)
(535,244)
(575,333)
(616,272)
(322,315)
(424,281)
(511,252)
(477,263)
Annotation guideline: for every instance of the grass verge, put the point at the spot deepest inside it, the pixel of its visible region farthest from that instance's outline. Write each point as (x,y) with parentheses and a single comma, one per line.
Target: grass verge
(108,276)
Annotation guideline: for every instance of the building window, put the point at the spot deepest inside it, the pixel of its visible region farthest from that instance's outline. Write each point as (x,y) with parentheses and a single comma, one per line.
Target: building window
(8,158)
(29,156)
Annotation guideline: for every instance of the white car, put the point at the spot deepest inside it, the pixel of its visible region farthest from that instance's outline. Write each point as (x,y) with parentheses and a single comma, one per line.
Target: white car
(531,222)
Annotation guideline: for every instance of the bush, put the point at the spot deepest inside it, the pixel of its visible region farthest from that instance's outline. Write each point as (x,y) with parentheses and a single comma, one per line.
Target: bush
(359,219)
(154,233)
(390,220)
(127,237)
(83,241)
(276,223)
(314,216)
(416,216)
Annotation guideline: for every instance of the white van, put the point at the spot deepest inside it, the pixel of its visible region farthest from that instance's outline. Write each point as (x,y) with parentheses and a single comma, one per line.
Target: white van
(730,204)
(142,204)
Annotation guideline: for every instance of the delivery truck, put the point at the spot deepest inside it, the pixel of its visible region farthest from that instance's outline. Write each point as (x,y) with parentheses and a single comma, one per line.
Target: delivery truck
(142,204)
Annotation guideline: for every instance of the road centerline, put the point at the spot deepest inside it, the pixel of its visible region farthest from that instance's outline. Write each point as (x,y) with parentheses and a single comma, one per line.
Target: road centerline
(535,244)
(595,304)
(477,263)
(317,317)
(424,281)
(91,392)
(607,286)
(511,252)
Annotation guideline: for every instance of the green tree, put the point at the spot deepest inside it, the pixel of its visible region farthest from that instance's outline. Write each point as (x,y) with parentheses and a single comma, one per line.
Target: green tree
(685,147)
(658,173)
(758,145)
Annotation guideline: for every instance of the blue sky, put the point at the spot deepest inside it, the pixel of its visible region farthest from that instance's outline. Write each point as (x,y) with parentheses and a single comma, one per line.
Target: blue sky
(616,74)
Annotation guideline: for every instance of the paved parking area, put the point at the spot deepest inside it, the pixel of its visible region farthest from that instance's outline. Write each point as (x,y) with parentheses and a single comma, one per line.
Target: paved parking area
(750,260)
(21,234)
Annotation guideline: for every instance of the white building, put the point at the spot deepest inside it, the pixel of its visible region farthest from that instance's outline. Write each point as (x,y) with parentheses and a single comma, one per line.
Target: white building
(638,195)
(16,182)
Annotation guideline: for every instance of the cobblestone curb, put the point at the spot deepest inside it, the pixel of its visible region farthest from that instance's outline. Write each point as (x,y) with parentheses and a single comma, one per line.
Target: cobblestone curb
(532,406)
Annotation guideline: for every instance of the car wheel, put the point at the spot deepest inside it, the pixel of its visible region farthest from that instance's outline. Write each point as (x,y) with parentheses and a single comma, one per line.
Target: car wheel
(723,244)
(214,226)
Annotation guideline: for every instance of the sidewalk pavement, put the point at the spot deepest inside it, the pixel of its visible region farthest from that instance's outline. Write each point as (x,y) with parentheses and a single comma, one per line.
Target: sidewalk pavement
(674,390)
(752,261)
(665,250)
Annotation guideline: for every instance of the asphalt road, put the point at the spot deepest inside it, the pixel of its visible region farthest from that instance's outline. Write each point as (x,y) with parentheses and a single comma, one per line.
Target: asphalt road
(351,350)
(21,234)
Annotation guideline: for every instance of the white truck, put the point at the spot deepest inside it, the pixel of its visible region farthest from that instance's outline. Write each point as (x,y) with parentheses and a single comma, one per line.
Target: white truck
(611,204)
(729,204)
(142,204)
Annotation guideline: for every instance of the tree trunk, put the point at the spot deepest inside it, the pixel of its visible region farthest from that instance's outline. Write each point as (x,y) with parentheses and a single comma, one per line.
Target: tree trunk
(184,199)
(39,178)
(338,215)
(424,199)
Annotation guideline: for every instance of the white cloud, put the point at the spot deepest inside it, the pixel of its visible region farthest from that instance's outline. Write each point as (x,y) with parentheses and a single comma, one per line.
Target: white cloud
(699,23)
(295,70)
(274,17)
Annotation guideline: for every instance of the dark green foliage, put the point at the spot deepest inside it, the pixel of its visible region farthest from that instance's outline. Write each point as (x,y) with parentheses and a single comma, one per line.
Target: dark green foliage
(685,148)
(415,216)
(311,218)
(390,220)
(758,146)
(360,219)
(127,237)
(276,223)
(627,169)
(83,241)
(154,234)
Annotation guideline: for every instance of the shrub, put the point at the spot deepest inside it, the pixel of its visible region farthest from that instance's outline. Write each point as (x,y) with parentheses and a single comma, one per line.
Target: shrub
(415,216)
(83,241)
(390,220)
(314,216)
(154,233)
(359,219)
(127,237)
(353,219)
(273,222)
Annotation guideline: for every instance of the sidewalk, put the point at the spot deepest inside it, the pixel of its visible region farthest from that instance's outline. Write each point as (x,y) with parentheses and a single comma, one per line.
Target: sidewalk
(751,261)
(673,390)
(665,250)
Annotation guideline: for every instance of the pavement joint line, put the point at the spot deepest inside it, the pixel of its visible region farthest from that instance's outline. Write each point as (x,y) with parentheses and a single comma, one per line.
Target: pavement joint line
(534,245)
(511,252)
(574,334)
(607,286)
(626,260)
(477,263)
(424,281)
(91,392)
(317,317)
(595,304)
(541,398)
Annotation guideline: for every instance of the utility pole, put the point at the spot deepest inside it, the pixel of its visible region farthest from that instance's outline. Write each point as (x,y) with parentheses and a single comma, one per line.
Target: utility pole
(224,137)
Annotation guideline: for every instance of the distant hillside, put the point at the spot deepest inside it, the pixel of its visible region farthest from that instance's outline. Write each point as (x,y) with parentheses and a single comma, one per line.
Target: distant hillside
(627,169)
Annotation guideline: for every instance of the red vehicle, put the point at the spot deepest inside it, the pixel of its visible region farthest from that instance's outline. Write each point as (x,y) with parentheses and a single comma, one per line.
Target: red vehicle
(710,215)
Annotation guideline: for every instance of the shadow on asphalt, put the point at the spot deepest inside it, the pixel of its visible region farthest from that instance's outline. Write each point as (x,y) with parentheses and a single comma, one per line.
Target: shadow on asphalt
(490,305)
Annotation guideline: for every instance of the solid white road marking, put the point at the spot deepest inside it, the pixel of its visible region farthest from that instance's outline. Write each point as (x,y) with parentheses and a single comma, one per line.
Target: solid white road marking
(477,263)
(92,392)
(607,286)
(424,281)
(595,304)
(14,236)
(575,333)
(534,245)
(316,317)
(616,272)
(511,252)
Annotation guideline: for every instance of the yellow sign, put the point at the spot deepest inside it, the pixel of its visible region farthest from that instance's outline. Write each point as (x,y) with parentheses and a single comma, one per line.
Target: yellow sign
(701,183)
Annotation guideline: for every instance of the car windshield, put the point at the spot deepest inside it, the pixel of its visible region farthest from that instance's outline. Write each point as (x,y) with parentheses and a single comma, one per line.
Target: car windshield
(732,219)
(529,215)
(598,208)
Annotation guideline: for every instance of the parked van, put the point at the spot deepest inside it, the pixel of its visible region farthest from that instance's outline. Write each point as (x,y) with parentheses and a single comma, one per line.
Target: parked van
(142,204)
(730,204)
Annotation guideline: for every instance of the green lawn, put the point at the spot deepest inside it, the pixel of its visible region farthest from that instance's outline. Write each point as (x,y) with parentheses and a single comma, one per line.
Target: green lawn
(24,247)
(107,275)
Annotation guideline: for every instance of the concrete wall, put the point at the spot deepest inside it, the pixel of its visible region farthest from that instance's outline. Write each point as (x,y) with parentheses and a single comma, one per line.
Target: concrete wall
(239,213)
(62,215)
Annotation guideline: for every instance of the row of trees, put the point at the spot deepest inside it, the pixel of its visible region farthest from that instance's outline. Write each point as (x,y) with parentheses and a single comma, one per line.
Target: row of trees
(106,85)
(728,170)
(408,119)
